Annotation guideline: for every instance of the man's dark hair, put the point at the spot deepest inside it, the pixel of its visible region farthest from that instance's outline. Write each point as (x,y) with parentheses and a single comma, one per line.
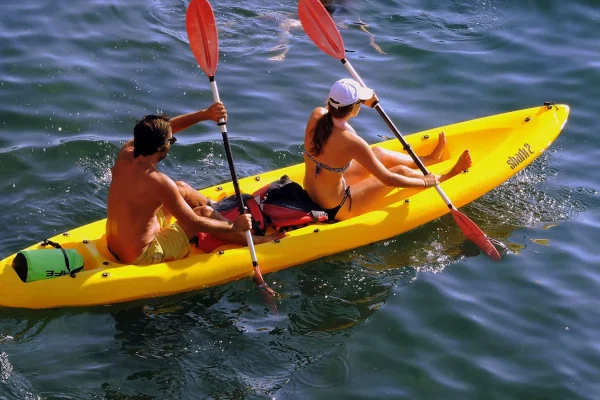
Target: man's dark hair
(150,134)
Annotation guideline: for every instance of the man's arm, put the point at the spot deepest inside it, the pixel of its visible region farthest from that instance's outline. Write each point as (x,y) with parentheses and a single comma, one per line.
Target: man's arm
(215,112)
(183,213)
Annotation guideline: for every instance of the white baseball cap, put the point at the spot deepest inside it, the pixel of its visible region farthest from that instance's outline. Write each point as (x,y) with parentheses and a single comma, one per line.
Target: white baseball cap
(347,91)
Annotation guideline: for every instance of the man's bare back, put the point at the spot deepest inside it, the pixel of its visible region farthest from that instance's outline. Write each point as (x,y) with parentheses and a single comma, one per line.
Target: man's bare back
(132,206)
(139,192)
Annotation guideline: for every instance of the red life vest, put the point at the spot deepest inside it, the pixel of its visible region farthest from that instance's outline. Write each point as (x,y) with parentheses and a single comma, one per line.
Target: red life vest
(283,204)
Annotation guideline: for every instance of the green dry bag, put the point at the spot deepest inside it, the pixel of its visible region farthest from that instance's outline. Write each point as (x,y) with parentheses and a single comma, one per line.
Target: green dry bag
(34,265)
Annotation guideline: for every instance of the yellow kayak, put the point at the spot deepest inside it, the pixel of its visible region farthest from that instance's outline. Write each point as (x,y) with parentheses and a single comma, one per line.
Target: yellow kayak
(500,146)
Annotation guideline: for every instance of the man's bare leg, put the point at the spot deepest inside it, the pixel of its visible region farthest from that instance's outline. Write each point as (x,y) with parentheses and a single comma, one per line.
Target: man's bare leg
(191,196)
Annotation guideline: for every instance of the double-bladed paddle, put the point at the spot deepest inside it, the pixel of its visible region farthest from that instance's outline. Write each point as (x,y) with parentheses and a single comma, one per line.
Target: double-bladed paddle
(321,29)
(202,33)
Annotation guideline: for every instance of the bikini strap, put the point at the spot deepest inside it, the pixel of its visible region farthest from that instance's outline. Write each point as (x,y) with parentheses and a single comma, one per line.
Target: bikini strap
(347,195)
(319,164)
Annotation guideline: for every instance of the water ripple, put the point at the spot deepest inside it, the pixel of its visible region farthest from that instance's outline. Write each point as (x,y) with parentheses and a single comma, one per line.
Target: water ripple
(418,316)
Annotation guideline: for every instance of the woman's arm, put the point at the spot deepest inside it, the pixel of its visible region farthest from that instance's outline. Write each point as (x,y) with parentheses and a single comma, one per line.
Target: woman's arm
(215,112)
(362,153)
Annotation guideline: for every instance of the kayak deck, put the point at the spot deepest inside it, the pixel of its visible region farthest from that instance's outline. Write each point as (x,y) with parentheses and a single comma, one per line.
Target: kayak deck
(500,146)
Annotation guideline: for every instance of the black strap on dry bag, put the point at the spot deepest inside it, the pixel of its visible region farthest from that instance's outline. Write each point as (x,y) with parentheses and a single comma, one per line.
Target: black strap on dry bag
(47,242)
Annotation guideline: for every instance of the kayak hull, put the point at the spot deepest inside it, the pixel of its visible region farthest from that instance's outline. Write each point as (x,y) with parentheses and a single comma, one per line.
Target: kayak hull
(500,146)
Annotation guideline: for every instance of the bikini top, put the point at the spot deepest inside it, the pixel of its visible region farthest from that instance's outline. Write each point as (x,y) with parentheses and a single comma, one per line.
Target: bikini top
(340,123)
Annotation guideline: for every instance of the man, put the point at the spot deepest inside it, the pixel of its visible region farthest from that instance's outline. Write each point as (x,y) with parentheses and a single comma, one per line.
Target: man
(141,199)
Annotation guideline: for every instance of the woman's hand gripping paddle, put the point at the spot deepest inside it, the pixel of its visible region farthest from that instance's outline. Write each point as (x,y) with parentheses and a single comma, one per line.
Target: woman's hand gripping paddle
(321,29)
(202,34)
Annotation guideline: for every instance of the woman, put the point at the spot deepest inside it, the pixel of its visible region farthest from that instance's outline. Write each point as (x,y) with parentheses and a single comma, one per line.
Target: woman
(331,145)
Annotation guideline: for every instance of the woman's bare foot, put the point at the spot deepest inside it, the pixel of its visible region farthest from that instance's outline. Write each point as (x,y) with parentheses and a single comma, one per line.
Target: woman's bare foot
(436,154)
(268,238)
(463,163)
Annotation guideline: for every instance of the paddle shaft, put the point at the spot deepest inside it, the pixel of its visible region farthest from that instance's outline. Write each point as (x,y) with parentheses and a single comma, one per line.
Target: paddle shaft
(397,133)
(202,32)
(223,125)
(321,29)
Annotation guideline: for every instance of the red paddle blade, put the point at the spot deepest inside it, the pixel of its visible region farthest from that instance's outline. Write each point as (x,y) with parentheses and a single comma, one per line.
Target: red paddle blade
(320,28)
(475,235)
(268,293)
(202,34)
(260,282)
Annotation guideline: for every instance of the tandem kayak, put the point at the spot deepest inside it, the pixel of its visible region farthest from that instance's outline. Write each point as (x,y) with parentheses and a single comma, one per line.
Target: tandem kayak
(500,145)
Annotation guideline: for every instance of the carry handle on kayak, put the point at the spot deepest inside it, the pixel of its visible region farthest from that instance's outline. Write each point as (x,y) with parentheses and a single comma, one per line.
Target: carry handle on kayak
(321,29)
(201,28)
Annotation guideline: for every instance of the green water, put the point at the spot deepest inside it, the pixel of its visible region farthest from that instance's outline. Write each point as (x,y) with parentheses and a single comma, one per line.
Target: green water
(409,318)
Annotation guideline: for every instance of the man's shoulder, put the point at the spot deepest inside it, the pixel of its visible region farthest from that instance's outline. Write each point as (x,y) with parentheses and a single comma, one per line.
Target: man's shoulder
(128,145)
(161,180)
(126,152)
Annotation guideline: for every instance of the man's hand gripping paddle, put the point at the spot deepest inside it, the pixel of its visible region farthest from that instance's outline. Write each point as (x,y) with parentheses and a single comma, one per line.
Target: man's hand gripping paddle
(202,33)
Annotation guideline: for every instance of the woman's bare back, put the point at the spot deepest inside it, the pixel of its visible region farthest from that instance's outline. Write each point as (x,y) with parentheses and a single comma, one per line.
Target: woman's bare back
(326,188)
